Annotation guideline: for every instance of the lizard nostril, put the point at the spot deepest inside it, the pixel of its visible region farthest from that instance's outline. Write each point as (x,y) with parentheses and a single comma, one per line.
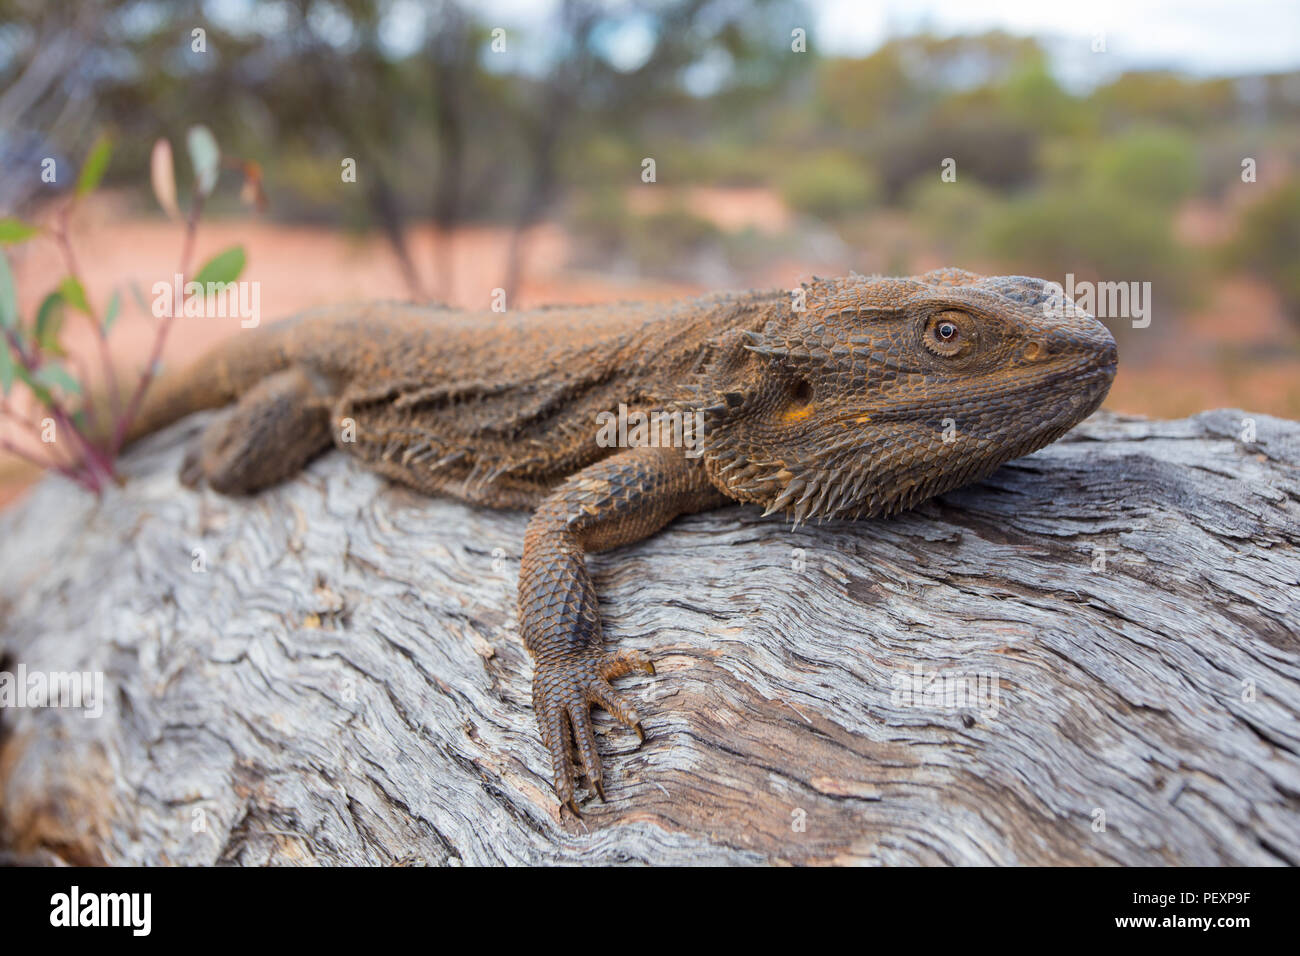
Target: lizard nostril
(1033,350)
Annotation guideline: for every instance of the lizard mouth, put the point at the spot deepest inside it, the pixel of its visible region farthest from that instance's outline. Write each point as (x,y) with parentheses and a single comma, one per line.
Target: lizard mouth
(1052,397)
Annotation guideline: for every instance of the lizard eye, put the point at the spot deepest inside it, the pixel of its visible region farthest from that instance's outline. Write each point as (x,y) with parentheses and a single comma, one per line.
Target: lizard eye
(946,334)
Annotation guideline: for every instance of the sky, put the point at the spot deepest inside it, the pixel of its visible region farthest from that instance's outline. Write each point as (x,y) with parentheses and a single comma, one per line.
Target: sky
(1203,37)
(1196,36)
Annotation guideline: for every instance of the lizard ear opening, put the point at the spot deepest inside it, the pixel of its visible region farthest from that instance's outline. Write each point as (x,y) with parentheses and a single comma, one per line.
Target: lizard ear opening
(800,404)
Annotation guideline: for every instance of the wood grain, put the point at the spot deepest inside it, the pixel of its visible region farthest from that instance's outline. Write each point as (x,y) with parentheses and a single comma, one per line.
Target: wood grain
(344,682)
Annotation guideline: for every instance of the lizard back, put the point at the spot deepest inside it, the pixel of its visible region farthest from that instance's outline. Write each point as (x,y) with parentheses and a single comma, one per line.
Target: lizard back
(497,409)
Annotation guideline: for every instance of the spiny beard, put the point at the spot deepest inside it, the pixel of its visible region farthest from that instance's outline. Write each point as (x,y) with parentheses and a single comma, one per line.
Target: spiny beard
(842,484)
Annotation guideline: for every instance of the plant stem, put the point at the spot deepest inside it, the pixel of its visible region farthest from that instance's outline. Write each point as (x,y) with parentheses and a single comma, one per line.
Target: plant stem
(88,483)
(70,258)
(88,405)
(9,413)
(150,370)
(95,459)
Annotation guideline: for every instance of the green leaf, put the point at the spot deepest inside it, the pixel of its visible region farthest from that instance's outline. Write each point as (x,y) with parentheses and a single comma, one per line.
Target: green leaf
(205,157)
(15,230)
(114,306)
(38,388)
(54,375)
(92,171)
(8,299)
(6,367)
(140,300)
(223,267)
(49,319)
(74,294)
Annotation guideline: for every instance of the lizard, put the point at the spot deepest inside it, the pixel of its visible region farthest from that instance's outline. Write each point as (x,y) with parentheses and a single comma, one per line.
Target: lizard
(851,397)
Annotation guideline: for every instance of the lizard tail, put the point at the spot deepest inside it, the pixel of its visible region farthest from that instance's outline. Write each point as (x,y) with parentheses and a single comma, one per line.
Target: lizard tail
(214,379)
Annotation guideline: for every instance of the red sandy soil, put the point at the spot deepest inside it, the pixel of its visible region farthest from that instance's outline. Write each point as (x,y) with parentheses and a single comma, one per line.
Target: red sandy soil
(731,209)
(1239,350)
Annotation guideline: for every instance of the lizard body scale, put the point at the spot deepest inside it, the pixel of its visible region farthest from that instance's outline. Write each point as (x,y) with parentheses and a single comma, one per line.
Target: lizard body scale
(878,394)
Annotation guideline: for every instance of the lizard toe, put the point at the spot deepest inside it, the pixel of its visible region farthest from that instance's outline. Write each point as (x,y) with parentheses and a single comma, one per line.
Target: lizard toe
(625,662)
(554,723)
(564,690)
(600,692)
(585,737)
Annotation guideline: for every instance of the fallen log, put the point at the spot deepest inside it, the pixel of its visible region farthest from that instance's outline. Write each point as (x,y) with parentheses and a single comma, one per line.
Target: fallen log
(1091,657)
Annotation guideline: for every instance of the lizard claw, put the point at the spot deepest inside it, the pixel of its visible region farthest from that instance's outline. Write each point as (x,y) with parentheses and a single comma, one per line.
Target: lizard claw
(564,688)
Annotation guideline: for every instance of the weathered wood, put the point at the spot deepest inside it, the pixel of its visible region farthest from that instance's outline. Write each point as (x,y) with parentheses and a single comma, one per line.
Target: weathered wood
(344,684)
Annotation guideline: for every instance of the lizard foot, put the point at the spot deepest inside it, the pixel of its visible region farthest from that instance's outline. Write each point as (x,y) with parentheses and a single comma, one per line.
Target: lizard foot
(564,688)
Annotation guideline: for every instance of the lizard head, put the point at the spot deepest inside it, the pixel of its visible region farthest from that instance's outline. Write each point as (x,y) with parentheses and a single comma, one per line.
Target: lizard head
(881,393)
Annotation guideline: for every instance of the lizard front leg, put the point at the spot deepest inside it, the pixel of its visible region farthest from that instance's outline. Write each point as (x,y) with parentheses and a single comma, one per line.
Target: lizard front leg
(616,501)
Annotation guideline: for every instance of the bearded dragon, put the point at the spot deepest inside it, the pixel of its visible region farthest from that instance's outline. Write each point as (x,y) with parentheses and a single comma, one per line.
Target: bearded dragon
(850,398)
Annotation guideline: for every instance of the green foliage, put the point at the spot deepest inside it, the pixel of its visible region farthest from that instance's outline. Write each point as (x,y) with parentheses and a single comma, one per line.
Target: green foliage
(8,322)
(1158,96)
(54,375)
(205,157)
(660,241)
(1267,241)
(110,314)
(13,231)
(988,147)
(952,215)
(601,216)
(1032,97)
(96,164)
(911,75)
(225,266)
(829,185)
(74,294)
(1106,234)
(607,158)
(8,296)
(38,387)
(1146,165)
(49,322)
(725,163)
(32,354)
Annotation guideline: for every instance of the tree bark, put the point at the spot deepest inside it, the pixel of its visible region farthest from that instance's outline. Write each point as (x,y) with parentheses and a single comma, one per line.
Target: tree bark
(330,672)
